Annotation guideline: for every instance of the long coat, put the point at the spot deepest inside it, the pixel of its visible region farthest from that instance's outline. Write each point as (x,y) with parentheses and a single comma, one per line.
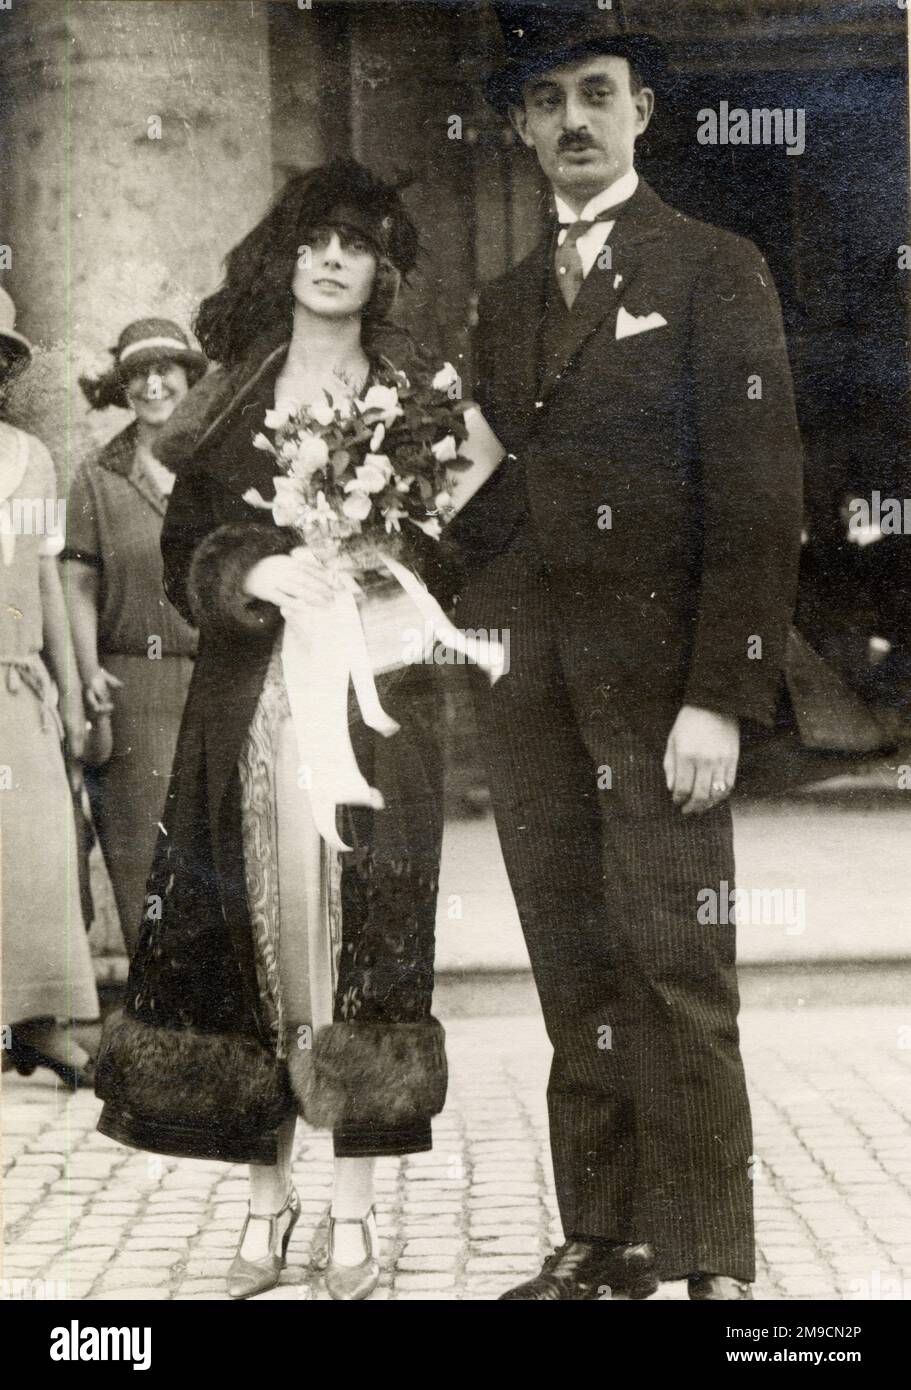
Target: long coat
(189,1066)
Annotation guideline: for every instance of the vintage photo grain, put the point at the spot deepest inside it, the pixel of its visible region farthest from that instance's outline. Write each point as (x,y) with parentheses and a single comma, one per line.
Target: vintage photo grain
(455,658)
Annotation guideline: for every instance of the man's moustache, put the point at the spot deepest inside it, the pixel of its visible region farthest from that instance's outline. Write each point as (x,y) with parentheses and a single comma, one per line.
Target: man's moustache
(574,142)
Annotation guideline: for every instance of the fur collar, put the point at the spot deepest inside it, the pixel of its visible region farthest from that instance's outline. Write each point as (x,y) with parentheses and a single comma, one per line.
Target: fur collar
(206,409)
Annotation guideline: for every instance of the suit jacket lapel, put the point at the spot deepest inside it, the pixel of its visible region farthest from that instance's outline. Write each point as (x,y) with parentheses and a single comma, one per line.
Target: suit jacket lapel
(603,291)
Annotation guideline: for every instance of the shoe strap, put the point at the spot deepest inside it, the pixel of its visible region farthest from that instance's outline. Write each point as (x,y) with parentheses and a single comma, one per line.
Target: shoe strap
(272,1218)
(361,1221)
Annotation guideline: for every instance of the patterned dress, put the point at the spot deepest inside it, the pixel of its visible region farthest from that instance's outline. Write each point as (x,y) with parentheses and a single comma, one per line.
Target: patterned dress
(293,877)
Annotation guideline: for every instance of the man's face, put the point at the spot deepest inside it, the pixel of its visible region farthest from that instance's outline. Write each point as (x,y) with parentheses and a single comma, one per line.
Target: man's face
(583,120)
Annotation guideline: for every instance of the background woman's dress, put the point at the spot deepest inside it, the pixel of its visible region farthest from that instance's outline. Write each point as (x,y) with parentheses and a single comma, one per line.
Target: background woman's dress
(114,515)
(46,968)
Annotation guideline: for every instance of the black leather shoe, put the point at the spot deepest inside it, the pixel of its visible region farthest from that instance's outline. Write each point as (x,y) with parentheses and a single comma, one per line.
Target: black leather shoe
(718,1288)
(584,1271)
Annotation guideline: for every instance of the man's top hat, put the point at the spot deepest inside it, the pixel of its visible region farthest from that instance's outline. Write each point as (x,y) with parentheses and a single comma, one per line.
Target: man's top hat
(543,34)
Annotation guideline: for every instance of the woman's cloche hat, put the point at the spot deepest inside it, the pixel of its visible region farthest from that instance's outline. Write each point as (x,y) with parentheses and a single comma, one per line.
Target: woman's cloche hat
(10,340)
(543,34)
(141,344)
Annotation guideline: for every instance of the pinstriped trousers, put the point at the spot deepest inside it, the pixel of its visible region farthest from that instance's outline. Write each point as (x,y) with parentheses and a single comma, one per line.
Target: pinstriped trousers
(649,1117)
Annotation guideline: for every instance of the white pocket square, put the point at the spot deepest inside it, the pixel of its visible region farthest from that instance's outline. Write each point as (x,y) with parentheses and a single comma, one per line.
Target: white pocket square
(628,324)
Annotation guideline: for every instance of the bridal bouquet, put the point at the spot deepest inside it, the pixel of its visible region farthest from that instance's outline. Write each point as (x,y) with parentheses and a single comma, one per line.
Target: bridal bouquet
(353,478)
(353,474)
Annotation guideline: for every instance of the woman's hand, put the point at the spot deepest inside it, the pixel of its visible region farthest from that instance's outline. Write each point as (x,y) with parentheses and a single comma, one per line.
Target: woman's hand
(291,580)
(99,692)
(72,716)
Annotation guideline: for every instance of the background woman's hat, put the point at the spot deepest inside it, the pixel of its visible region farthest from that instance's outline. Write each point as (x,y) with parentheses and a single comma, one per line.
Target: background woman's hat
(141,345)
(147,341)
(9,338)
(543,34)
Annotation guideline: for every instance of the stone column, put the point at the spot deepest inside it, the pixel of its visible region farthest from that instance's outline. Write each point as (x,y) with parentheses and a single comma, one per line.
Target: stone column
(135,149)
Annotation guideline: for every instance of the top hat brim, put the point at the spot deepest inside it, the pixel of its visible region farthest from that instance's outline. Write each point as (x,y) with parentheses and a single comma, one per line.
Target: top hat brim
(647,54)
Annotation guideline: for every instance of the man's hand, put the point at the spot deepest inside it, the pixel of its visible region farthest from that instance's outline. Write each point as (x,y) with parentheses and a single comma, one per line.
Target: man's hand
(700,763)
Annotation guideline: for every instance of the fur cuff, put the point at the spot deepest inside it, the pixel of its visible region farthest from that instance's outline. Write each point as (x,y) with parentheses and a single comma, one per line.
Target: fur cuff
(379,1075)
(218,1080)
(218,570)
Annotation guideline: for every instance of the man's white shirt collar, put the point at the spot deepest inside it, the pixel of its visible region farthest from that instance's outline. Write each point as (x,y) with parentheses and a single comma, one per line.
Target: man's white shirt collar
(617,192)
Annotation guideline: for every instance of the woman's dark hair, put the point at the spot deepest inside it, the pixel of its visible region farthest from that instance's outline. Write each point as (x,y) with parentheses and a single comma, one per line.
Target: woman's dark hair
(255,297)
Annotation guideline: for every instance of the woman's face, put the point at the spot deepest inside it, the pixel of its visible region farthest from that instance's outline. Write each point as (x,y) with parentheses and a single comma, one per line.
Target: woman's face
(155,391)
(334,273)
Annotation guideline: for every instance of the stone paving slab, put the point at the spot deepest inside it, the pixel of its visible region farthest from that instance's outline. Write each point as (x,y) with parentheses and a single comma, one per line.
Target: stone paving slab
(87,1219)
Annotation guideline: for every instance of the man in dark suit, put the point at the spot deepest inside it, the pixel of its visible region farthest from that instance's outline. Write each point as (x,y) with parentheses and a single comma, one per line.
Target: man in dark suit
(641,542)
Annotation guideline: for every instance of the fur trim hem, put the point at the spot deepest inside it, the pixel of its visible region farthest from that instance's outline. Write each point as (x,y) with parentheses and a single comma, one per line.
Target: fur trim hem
(184,1077)
(219,567)
(381,1075)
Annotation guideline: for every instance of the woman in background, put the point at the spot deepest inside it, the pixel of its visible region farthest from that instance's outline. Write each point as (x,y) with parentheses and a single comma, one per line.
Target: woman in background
(48,979)
(135,652)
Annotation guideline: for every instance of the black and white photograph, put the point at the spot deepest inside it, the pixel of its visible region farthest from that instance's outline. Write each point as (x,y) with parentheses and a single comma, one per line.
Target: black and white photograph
(455,661)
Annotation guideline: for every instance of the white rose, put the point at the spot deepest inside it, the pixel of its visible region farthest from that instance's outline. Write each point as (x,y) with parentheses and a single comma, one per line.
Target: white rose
(372,475)
(447,376)
(322,413)
(444,451)
(357,506)
(308,452)
(385,399)
(274,419)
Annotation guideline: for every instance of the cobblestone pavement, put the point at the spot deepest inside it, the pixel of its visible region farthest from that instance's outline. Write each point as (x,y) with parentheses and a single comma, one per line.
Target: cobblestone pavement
(832,1100)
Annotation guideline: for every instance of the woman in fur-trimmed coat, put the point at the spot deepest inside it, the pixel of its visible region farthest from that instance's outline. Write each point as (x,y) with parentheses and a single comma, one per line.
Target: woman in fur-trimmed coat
(273,976)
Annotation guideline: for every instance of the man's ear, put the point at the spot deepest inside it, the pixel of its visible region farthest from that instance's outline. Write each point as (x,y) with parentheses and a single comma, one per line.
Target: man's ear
(518,119)
(644,101)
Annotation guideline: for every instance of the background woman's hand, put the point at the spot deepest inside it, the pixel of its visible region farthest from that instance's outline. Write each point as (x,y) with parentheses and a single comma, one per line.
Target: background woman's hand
(72,716)
(99,692)
(285,580)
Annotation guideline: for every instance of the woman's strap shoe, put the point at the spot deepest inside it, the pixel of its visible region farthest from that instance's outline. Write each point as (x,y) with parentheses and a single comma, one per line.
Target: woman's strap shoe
(349,1283)
(246,1278)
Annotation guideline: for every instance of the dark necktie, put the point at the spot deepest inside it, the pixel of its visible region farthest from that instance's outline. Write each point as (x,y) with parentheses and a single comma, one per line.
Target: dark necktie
(568,261)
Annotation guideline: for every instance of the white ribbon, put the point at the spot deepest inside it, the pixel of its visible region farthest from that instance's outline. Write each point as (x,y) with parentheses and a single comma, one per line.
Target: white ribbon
(317,673)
